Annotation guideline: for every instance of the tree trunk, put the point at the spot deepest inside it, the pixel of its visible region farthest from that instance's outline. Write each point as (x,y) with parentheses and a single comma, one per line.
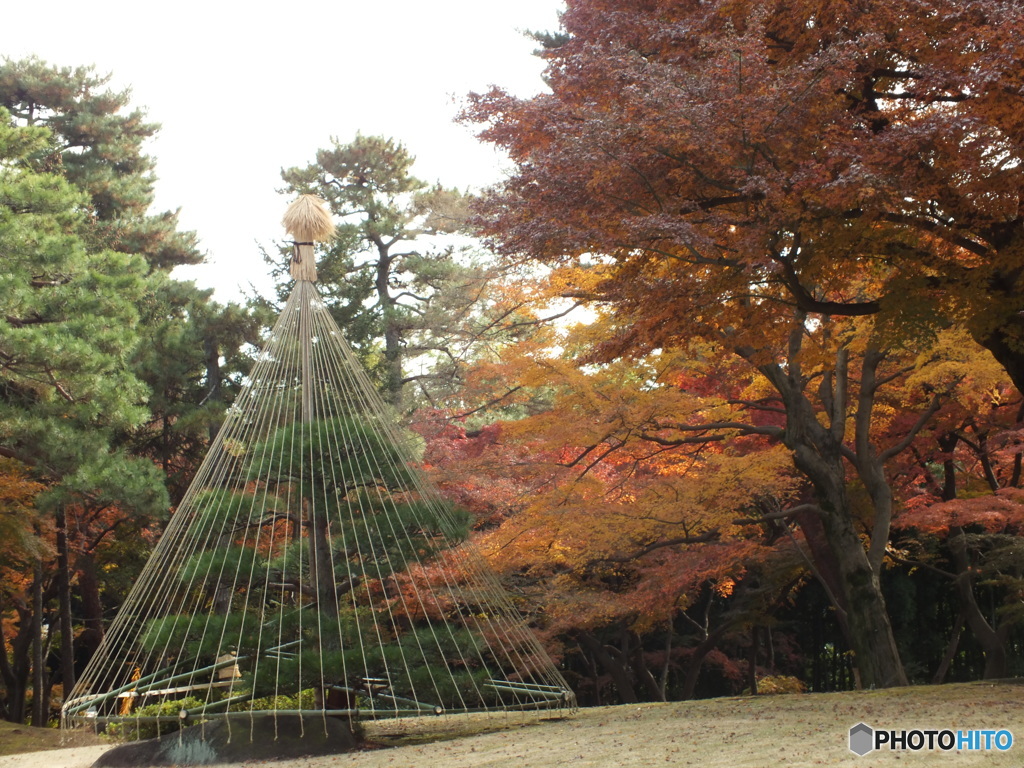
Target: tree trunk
(755,634)
(667,665)
(617,668)
(14,672)
(594,674)
(92,607)
(223,590)
(697,657)
(1003,342)
(947,658)
(67,636)
(321,567)
(39,704)
(392,333)
(818,454)
(321,571)
(867,622)
(643,672)
(211,353)
(824,567)
(992,641)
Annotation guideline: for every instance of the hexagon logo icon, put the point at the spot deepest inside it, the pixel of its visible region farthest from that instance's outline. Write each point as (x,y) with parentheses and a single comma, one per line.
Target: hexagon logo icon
(862,738)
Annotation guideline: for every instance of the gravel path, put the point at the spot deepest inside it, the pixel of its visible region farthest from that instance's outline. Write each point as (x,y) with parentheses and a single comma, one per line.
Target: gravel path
(800,730)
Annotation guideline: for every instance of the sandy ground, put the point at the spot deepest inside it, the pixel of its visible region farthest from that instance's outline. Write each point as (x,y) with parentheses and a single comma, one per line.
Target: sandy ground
(801,730)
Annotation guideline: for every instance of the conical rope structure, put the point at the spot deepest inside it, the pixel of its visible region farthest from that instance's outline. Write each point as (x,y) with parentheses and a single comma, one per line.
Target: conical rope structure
(311,569)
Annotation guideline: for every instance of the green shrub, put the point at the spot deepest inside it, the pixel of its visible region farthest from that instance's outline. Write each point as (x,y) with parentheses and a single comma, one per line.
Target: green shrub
(303,700)
(130,730)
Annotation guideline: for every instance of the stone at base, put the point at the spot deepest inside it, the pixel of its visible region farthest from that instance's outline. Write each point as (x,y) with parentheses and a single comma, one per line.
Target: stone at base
(235,741)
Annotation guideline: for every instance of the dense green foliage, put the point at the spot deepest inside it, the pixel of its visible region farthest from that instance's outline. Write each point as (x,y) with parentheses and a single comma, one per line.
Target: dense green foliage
(295,604)
(112,374)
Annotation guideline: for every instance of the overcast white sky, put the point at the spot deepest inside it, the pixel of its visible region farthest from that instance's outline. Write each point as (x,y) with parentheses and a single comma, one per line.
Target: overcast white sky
(244,89)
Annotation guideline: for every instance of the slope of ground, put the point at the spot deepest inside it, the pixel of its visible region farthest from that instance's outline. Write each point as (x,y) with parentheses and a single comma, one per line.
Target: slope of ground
(793,730)
(15,738)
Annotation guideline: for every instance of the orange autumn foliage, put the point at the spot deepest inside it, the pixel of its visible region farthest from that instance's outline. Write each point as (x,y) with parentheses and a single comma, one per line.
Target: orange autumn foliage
(998,512)
(582,502)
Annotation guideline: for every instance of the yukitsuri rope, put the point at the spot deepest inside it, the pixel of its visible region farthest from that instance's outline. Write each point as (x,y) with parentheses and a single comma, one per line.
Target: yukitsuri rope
(310,568)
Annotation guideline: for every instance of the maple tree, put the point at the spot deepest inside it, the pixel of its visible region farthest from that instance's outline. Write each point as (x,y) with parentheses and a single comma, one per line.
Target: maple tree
(845,159)
(981,539)
(966,496)
(607,491)
(615,536)
(752,174)
(703,396)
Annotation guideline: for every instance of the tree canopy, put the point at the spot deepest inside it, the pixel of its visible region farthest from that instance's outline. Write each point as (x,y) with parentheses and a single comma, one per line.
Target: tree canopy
(400,288)
(88,407)
(842,159)
(817,189)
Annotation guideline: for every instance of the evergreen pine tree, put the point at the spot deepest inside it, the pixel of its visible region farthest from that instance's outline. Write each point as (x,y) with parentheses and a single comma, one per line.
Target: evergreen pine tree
(399,287)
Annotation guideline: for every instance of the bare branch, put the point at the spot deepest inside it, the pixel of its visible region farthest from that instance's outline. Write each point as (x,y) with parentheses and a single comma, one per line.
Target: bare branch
(778,515)
(488,404)
(21,322)
(708,536)
(808,303)
(57,385)
(922,420)
(746,429)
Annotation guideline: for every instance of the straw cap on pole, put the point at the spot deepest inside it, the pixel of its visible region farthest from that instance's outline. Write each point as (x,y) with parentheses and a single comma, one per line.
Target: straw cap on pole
(308,222)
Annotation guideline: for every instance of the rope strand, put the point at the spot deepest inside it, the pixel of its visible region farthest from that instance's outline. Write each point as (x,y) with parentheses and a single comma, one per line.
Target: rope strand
(311,559)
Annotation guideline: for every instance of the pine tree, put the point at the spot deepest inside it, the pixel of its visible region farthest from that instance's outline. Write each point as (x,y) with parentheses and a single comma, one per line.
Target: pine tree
(68,324)
(394,284)
(97,146)
(109,370)
(312,590)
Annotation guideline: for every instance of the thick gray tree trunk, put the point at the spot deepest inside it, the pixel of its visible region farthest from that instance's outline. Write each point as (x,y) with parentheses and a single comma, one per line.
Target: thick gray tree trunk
(818,452)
